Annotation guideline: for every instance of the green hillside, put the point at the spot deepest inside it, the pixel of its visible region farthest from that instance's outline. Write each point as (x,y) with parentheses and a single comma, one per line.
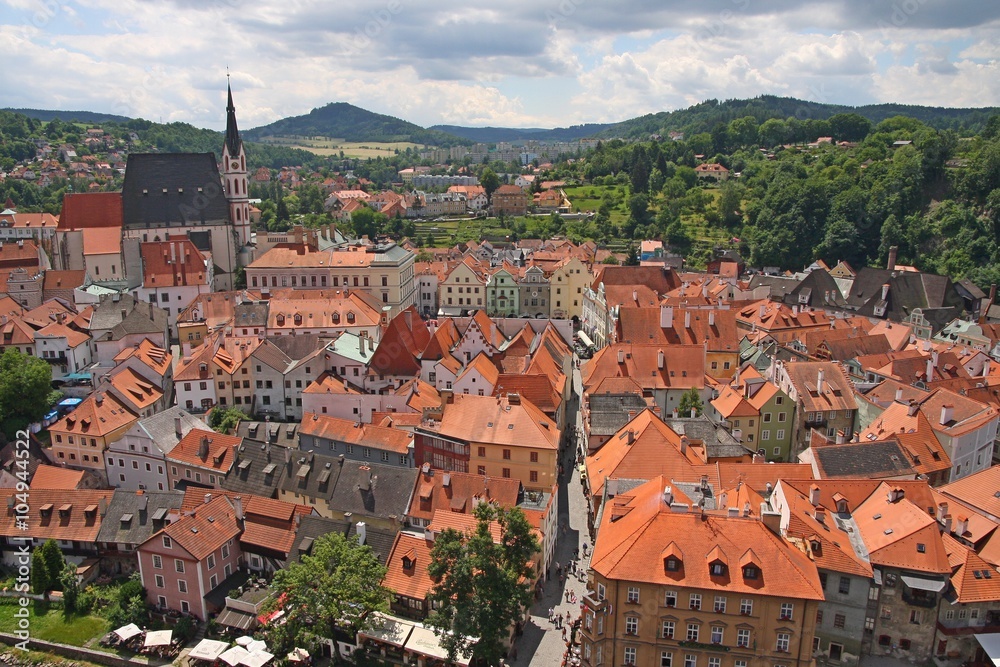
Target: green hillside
(350,123)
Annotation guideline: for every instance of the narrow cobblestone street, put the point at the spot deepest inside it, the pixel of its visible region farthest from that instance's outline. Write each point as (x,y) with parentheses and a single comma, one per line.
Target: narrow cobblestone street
(542,643)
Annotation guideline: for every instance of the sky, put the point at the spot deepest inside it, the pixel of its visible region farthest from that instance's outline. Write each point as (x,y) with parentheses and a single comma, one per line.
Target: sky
(519,63)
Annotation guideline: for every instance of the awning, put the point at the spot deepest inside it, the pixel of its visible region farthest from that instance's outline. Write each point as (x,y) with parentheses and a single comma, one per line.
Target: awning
(921,584)
(425,642)
(158,638)
(389,629)
(991,646)
(234,656)
(126,632)
(584,338)
(232,618)
(208,649)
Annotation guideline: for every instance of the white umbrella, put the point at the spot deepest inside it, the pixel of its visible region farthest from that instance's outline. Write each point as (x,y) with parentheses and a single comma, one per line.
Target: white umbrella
(208,649)
(298,655)
(244,641)
(126,632)
(234,656)
(256,645)
(158,638)
(256,659)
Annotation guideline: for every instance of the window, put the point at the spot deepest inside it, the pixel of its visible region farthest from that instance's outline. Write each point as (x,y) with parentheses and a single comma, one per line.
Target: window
(167,544)
(631,625)
(845,585)
(534,457)
(506,455)
(720,604)
(600,591)
(886,612)
(692,633)
(481,470)
(666,659)
(819,617)
(782,643)
(950,614)
(157,562)
(213,582)
(630,655)
(481,452)
(182,586)
(694,602)
(211,561)
(225,551)
(690,660)
(633,595)
(839,620)
(533,476)
(884,640)
(159,581)
(717,569)
(765,435)
(667,630)
(670,599)
(746,606)
(185,607)
(716,634)
(743,638)
(715,662)
(822,580)
(916,617)
(179,565)
(786,611)
(505,473)
(780,434)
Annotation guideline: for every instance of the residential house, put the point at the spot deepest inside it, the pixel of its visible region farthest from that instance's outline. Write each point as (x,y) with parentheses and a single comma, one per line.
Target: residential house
(80,438)
(356,441)
(174,273)
(822,395)
(569,279)
(534,292)
(137,461)
(71,517)
(666,325)
(510,200)
(132,518)
(463,290)
(503,293)
(201,459)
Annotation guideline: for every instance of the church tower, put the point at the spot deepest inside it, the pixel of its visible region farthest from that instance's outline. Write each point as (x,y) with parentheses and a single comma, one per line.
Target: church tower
(235,176)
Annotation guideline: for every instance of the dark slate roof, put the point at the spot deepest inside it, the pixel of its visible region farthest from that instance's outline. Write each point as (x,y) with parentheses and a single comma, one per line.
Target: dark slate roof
(971,289)
(780,285)
(864,459)
(247,474)
(388,495)
(250,314)
(609,412)
(719,443)
(813,290)
(275,433)
(907,290)
(319,480)
(142,524)
(137,319)
(193,190)
(313,527)
(379,539)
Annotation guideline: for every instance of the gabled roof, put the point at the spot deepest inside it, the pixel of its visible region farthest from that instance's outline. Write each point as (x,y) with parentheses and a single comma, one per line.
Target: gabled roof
(134,516)
(135,390)
(642,325)
(172,189)
(413,582)
(347,431)
(894,530)
(536,388)
(173,264)
(837,391)
(206,449)
(441,342)
(205,529)
(484,366)
(161,427)
(55,477)
(256,470)
(458,492)
(98,415)
(496,420)
(968,579)
(401,344)
(683,366)
(91,210)
(57,514)
(979,490)
(374,490)
(630,544)
(658,279)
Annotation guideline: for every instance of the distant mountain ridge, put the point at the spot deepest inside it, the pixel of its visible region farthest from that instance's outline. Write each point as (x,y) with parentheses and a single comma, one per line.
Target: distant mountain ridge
(341,120)
(492,135)
(45,115)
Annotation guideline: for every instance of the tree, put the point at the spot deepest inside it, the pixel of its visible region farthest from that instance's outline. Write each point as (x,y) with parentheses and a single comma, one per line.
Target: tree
(39,573)
(337,585)
(55,563)
(367,222)
(690,400)
(490,182)
(849,126)
(25,389)
(224,420)
(70,588)
(631,256)
(482,587)
(730,202)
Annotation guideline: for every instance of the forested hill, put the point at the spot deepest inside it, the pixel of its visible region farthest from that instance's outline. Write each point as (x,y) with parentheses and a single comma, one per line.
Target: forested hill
(706,116)
(46,115)
(340,120)
(490,135)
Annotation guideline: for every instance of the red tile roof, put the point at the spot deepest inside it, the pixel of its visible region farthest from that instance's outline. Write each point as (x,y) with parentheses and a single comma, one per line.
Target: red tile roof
(413,582)
(431,494)
(58,514)
(54,477)
(206,449)
(345,430)
(172,264)
(91,210)
(102,241)
(497,421)
(98,415)
(399,349)
(205,530)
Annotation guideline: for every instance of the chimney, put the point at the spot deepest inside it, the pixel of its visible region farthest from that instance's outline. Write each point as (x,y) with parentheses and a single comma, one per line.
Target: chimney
(986,368)
(446,480)
(885,291)
(666,317)
(930,370)
(124,313)
(993,295)
(947,521)
(795,310)
(763,309)
(635,295)
(684,444)
(746,508)
(630,436)
(365,480)
(288,455)
(899,394)
(621,355)
(820,514)
(687,319)
(772,520)
(361,531)
(947,413)
(660,360)
(99,399)
(513,399)
(841,436)
(208,498)
(704,483)
(711,318)
(912,409)
(942,509)
(177,426)
(961,525)
(203,447)
(694,413)
(668,495)
(724,501)
(814,495)
(142,501)
(238,507)
(819,381)
(891,264)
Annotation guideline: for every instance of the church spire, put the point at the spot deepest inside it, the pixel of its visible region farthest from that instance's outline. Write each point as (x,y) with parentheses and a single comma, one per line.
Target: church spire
(233,141)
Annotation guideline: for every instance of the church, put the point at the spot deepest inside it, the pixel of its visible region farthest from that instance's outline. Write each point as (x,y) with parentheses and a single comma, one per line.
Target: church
(181,195)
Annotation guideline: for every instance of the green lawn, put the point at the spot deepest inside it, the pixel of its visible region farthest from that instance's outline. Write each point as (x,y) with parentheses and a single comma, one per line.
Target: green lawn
(53,626)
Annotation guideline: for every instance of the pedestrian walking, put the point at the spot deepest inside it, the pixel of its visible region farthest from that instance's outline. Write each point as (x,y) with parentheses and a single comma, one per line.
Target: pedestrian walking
(551,613)
(564,633)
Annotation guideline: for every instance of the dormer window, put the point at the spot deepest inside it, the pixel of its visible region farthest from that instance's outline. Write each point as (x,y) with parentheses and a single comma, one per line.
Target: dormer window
(751,572)
(717,568)
(672,564)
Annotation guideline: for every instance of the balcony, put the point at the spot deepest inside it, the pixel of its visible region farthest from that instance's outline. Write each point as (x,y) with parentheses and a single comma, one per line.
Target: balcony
(916,599)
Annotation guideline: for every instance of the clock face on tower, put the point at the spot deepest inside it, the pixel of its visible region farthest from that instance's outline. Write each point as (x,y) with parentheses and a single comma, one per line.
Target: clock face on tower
(235,164)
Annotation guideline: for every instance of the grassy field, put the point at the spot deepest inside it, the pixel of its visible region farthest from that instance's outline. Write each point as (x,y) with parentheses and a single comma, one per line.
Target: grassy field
(328,146)
(48,623)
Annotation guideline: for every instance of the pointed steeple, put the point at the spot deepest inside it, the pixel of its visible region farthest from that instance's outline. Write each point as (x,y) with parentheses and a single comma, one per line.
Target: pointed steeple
(233,140)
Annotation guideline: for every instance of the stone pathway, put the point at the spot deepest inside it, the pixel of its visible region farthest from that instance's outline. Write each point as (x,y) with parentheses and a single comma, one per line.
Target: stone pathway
(542,643)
